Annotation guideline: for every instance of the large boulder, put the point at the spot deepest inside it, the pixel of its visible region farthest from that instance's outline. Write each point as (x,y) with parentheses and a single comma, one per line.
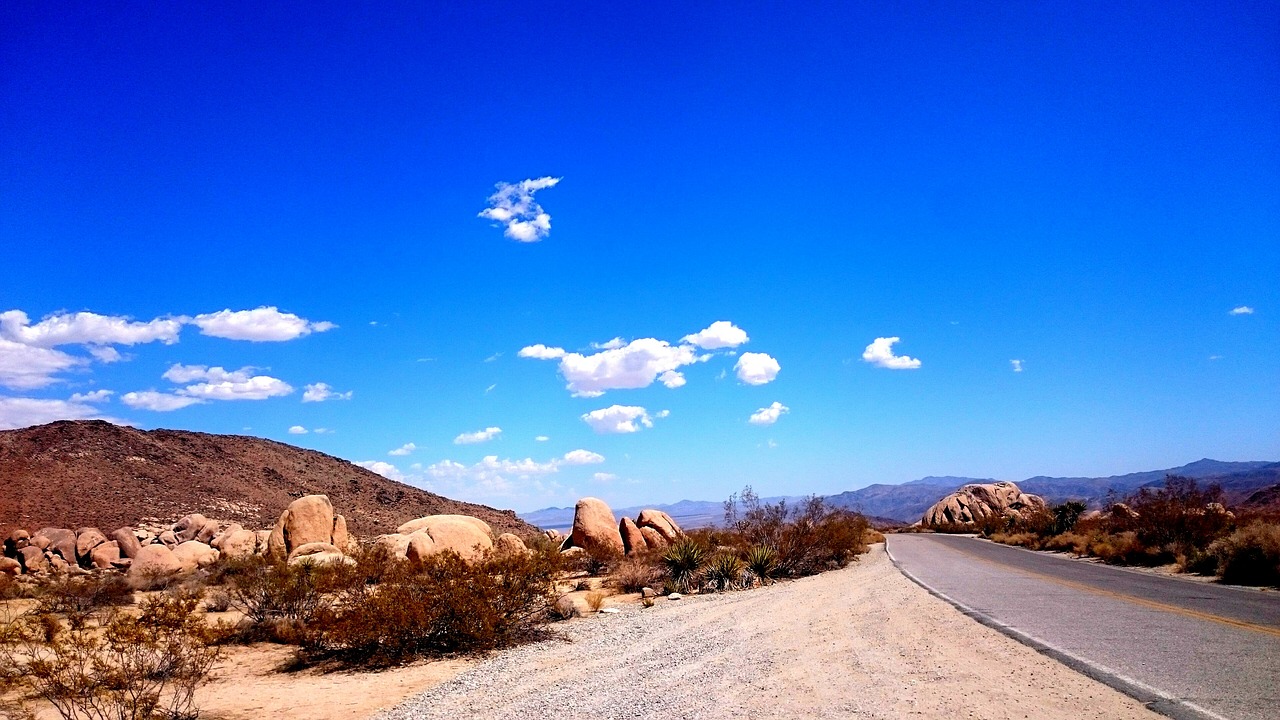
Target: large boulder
(308,519)
(59,540)
(341,538)
(32,559)
(632,539)
(194,554)
(468,536)
(127,541)
(189,527)
(17,540)
(152,562)
(10,567)
(509,544)
(396,544)
(973,503)
(106,555)
(662,523)
(653,539)
(86,540)
(594,527)
(239,544)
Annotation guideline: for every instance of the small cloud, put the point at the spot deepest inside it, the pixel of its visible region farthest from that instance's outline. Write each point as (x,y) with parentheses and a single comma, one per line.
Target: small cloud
(604,477)
(768,415)
(480,436)
(403,450)
(157,401)
(385,469)
(582,457)
(493,357)
(720,334)
(323,431)
(880,354)
(1242,310)
(490,388)
(513,206)
(541,352)
(94,396)
(1017,365)
(756,368)
(618,419)
(613,344)
(319,392)
(772,444)
(1215,357)
(297,430)
(672,379)
(105,353)
(541,438)
(264,324)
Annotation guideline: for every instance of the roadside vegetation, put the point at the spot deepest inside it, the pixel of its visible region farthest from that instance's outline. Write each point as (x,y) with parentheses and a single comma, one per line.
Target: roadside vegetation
(1181,523)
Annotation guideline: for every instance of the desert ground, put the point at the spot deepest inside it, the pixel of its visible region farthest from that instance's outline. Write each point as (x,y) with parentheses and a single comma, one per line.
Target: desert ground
(859,642)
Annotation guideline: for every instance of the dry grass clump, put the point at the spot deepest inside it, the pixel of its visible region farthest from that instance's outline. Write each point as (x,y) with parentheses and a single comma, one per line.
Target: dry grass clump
(634,574)
(82,595)
(595,600)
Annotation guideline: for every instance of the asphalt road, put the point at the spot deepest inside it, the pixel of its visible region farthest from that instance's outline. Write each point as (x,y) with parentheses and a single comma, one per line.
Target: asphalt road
(1188,649)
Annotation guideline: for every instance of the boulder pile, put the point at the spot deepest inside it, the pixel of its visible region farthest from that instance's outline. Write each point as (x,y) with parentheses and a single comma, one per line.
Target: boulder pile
(972,503)
(596,530)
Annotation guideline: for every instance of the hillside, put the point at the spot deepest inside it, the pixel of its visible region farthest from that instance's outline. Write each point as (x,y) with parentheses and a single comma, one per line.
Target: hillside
(75,473)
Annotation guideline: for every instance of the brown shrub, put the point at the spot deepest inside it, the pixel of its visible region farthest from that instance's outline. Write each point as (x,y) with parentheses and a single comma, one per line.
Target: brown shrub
(1250,555)
(595,600)
(633,574)
(79,596)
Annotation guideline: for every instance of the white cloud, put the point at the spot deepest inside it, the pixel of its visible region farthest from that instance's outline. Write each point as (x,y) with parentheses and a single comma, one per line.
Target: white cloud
(619,419)
(672,379)
(323,431)
(582,457)
(19,412)
(93,396)
(385,469)
(604,477)
(756,368)
(105,353)
(297,430)
(1215,357)
(721,334)
(25,367)
(479,436)
(157,401)
(541,352)
(86,328)
(634,365)
(541,438)
(493,357)
(403,450)
(768,415)
(1242,310)
(490,388)
(513,206)
(180,374)
(1017,365)
(880,354)
(319,392)
(258,387)
(264,324)
(610,344)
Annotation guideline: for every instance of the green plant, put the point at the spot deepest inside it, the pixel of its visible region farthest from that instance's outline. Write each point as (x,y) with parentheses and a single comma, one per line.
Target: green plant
(762,561)
(724,571)
(684,561)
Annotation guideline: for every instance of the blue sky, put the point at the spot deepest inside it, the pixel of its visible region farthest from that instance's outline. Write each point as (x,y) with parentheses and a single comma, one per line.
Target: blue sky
(1090,189)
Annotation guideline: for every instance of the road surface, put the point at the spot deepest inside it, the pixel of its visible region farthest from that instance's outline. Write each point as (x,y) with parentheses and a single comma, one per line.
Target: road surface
(1188,649)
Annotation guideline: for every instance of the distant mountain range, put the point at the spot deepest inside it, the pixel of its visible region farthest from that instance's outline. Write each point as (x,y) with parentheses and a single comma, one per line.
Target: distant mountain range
(1252,483)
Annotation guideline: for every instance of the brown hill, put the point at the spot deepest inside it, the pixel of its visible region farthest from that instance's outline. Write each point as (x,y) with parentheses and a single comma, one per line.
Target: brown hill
(90,472)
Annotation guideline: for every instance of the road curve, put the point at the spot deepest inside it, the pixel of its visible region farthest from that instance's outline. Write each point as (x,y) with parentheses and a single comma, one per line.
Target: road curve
(1187,649)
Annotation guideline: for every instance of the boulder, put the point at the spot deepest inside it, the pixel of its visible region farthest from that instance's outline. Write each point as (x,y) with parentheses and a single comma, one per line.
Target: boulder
(317,553)
(86,540)
(58,540)
(221,538)
(509,544)
(105,555)
(554,536)
(595,528)
(663,523)
(169,539)
(189,527)
(239,544)
(653,539)
(420,546)
(468,536)
(10,567)
(17,540)
(397,544)
(32,559)
(573,552)
(341,538)
(308,519)
(208,531)
(194,554)
(632,539)
(972,503)
(127,540)
(264,538)
(1120,511)
(59,565)
(154,561)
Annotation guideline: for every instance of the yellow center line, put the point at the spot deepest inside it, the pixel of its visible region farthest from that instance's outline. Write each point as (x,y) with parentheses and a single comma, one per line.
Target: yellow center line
(1154,605)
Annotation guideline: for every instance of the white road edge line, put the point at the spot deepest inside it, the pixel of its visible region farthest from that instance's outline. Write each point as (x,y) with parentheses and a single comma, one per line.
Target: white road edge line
(1155,699)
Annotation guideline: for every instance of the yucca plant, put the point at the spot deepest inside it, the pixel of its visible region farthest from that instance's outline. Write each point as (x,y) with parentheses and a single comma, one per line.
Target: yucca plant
(684,561)
(724,572)
(762,561)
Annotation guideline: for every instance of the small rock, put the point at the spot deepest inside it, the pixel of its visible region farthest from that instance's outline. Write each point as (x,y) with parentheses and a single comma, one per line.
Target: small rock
(610,611)
(674,596)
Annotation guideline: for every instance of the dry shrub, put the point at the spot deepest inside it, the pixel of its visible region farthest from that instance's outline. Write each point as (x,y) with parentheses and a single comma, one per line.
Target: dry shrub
(1021,539)
(445,605)
(1126,549)
(134,667)
(1250,555)
(79,596)
(874,536)
(595,600)
(634,574)
(562,609)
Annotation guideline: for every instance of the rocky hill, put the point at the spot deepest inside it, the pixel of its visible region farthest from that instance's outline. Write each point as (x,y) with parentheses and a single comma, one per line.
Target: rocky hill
(90,472)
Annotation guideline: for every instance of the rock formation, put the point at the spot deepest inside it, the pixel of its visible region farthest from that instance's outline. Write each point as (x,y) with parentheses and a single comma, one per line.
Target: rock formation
(594,528)
(972,503)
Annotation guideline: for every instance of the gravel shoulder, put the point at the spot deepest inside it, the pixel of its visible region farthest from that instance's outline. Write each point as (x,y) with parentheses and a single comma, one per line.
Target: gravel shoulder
(859,642)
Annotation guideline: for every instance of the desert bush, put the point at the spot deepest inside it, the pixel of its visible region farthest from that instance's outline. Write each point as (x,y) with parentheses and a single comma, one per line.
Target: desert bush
(1022,539)
(1250,555)
(724,571)
(274,591)
(1126,548)
(634,574)
(685,560)
(79,596)
(444,605)
(134,667)
(582,585)
(874,536)
(217,602)
(595,600)
(762,562)
(1174,518)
